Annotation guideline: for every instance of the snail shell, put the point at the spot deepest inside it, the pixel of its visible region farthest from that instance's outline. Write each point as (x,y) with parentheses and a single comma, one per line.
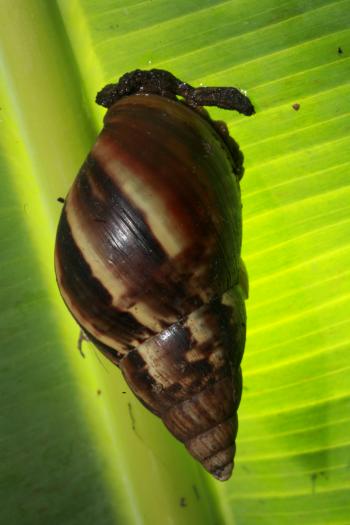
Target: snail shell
(147,260)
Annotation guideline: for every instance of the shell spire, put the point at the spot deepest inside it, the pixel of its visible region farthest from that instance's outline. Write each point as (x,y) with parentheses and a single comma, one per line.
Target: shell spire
(190,376)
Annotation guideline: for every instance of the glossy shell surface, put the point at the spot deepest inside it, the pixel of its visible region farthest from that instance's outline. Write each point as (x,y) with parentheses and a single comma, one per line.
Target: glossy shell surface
(148,262)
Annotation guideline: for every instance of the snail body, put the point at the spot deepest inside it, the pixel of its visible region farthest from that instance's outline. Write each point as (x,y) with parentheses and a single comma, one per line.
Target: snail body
(147,258)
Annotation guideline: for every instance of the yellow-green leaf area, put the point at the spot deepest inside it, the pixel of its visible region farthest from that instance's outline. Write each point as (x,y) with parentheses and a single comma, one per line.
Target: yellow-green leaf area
(75,456)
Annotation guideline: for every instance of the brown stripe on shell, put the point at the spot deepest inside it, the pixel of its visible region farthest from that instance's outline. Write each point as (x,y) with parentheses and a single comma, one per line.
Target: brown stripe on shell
(189,176)
(183,127)
(125,239)
(135,262)
(88,299)
(185,161)
(195,256)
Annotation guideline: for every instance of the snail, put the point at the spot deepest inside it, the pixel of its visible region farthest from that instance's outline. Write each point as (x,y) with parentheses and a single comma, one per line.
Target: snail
(147,255)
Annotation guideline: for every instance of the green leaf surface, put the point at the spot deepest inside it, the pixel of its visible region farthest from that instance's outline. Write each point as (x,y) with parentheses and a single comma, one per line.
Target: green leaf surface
(76,448)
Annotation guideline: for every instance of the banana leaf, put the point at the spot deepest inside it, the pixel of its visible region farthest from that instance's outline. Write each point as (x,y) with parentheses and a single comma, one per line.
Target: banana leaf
(77,447)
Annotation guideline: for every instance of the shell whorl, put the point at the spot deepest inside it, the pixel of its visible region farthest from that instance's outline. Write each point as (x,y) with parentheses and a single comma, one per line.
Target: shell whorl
(148,262)
(190,376)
